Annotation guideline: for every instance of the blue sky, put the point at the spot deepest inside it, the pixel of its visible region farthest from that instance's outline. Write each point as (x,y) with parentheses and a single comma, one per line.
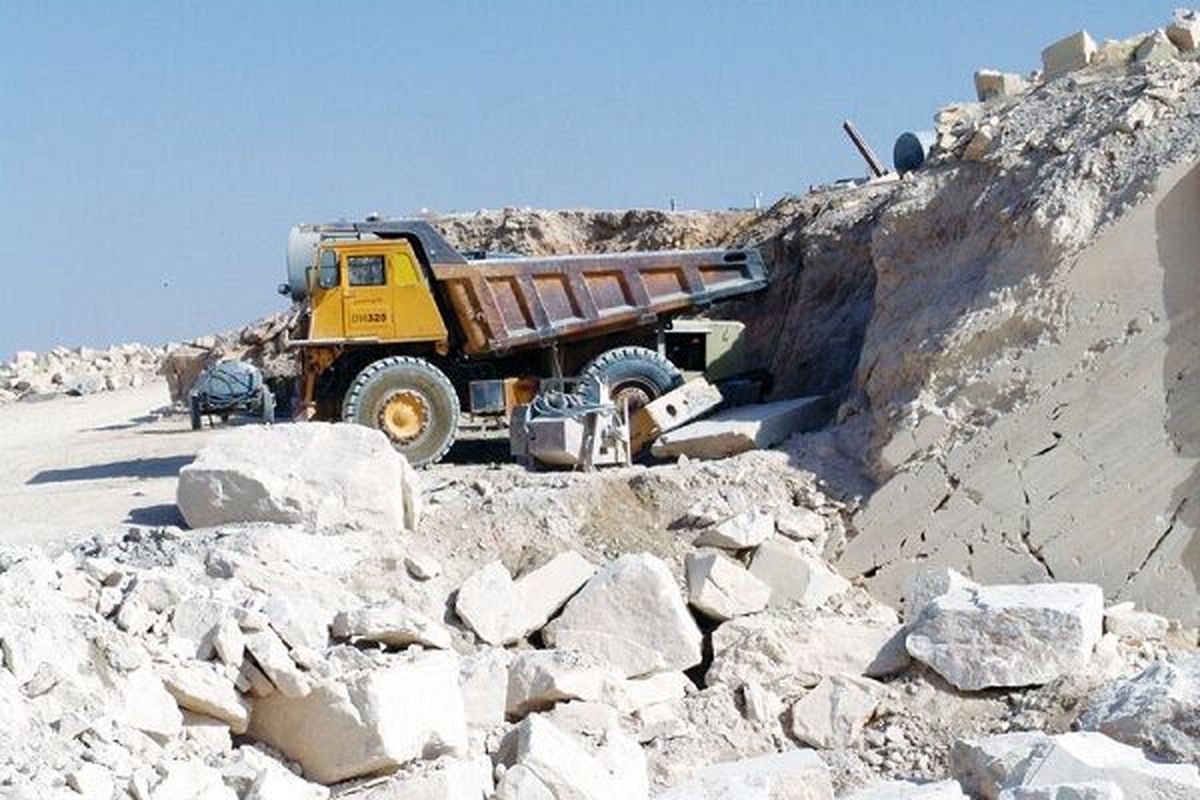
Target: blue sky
(153,155)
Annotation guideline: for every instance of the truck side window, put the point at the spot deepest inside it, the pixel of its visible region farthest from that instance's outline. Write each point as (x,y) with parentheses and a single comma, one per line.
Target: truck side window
(327,276)
(365,270)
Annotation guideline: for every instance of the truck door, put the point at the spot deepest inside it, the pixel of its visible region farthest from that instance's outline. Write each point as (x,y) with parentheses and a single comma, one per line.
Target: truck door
(417,316)
(368,299)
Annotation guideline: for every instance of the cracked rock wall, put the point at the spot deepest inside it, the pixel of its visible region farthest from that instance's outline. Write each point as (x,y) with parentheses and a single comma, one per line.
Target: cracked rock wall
(1087,466)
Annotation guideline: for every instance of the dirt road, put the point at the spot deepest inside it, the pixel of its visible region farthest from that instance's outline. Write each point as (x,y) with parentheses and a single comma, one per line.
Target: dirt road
(70,466)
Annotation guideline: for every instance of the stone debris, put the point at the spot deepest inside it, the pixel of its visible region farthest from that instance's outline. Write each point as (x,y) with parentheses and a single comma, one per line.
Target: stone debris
(991,84)
(795,574)
(1155,48)
(203,690)
(739,532)
(370,720)
(393,625)
(501,610)
(543,761)
(78,371)
(538,679)
(315,474)
(925,587)
(630,615)
(795,775)
(1184,32)
(834,712)
(737,430)
(1018,762)
(421,566)
(1157,710)
(983,637)
(1125,621)
(904,790)
(721,588)
(1071,53)
(802,646)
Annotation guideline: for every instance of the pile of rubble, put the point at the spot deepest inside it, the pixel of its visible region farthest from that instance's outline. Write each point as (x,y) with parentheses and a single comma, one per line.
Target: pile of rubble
(78,371)
(536,232)
(367,656)
(263,343)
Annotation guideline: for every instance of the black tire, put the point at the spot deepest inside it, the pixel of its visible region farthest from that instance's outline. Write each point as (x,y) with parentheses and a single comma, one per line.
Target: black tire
(413,388)
(268,405)
(637,374)
(194,407)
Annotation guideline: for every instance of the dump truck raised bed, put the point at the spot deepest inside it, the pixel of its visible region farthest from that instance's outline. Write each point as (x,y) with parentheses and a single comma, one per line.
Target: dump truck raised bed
(400,331)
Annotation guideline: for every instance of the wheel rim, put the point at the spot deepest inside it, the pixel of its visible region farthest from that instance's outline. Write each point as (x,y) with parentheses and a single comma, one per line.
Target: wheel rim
(404,415)
(635,393)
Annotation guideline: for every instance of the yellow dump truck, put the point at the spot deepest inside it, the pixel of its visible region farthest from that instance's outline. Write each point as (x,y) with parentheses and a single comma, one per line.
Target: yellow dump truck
(400,331)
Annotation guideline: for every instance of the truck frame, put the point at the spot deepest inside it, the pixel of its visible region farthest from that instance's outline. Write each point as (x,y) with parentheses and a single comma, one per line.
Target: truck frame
(400,331)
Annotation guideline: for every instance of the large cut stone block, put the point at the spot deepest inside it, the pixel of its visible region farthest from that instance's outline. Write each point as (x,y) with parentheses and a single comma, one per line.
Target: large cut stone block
(321,475)
(744,428)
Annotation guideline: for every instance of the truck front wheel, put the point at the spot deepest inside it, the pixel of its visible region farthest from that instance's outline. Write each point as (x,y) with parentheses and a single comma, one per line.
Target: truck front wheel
(636,375)
(411,401)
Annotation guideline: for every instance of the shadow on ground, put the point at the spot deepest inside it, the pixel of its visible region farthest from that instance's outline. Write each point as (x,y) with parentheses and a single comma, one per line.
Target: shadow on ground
(162,467)
(161,514)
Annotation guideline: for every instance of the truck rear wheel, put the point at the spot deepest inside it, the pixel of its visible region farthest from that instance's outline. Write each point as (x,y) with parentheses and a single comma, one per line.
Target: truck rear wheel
(411,401)
(636,375)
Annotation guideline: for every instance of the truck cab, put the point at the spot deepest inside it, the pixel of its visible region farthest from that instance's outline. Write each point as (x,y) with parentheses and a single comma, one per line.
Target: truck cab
(373,291)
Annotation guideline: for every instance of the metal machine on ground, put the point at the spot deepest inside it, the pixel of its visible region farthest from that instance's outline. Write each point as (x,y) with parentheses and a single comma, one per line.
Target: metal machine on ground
(400,331)
(231,387)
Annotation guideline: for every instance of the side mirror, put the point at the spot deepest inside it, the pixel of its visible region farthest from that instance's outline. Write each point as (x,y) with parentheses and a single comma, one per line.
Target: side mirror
(327,273)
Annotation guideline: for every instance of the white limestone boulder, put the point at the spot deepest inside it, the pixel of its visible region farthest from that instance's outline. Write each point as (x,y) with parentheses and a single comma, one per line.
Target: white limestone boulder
(502,611)
(324,476)
(544,761)
(483,678)
(1157,710)
(537,679)
(192,780)
(1022,761)
(200,688)
(793,775)
(369,721)
(795,573)
(443,779)
(1083,790)
(630,615)
(721,589)
(905,790)
(982,637)
(927,585)
(801,646)
(739,532)
(834,712)
(1126,622)
(391,624)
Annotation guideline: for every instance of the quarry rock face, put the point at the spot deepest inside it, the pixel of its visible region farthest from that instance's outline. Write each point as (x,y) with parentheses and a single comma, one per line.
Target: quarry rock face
(317,474)
(1079,464)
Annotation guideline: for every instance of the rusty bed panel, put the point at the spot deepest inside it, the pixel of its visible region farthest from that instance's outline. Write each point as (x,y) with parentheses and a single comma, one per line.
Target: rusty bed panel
(509,303)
